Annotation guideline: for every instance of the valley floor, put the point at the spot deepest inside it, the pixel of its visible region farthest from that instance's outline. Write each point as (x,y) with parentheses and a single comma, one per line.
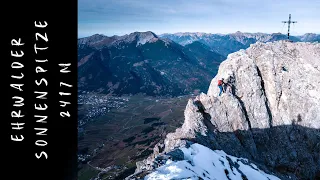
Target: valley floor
(116,132)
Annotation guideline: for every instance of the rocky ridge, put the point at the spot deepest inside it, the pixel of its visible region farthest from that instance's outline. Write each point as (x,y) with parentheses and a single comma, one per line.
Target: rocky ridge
(270,114)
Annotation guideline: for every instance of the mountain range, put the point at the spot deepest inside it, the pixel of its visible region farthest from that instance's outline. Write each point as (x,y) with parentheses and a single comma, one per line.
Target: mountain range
(141,62)
(229,43)
(164,65)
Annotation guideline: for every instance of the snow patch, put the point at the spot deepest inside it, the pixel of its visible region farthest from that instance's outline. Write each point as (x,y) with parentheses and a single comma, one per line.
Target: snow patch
(144,38)
(138,64)
(202,162)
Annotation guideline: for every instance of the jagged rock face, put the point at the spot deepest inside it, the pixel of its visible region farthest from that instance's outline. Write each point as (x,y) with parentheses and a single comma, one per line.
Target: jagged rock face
(277,87)
(277,82)
(270,115)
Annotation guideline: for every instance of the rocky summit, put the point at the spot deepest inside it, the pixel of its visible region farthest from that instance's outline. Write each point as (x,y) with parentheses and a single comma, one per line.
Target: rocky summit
(269,115)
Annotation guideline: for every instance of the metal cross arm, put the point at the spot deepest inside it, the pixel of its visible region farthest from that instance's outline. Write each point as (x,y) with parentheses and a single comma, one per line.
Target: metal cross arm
(289,22)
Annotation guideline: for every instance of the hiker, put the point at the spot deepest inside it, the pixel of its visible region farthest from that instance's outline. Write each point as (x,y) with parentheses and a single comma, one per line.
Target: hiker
(227,86)
(220,84)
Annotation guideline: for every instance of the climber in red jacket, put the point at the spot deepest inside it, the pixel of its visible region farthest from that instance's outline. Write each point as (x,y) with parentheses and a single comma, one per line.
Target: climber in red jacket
(220,84)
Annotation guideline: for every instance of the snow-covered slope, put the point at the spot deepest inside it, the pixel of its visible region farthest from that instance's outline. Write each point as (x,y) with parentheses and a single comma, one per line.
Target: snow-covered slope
(203,163)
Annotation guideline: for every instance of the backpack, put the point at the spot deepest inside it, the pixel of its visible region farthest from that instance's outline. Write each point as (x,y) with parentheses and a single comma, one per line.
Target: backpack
(219,82)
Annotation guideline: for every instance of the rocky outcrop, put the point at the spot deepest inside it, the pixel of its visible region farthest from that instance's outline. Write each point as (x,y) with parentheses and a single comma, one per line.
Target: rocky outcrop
(270,114)
(277,82)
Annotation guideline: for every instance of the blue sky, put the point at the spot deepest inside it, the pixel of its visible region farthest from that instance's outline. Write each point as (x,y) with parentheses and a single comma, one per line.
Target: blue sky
(119,17)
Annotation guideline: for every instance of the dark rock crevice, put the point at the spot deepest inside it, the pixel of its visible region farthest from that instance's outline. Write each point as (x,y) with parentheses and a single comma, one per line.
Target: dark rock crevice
(243,107)
(265,95)
(279,98)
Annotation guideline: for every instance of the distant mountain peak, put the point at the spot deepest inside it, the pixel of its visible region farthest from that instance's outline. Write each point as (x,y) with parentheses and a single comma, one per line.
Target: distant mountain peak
(94,36)
(310,34)
(92,40)
(310,37)
(97,35)
(100,40)
(278,33)
(145,33)
(189,34)
(140,37)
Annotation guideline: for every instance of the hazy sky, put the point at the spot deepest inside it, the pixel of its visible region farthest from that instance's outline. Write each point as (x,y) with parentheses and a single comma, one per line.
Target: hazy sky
(119,17)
